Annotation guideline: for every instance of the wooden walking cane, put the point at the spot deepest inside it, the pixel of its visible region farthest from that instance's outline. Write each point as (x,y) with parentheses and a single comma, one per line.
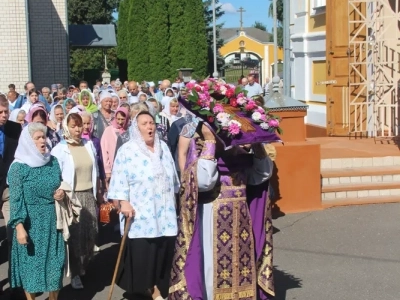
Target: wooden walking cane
(121,248)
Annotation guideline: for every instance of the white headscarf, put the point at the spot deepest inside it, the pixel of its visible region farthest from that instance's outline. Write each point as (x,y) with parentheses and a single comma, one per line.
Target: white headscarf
(166,98)
(155,157)
(27,152)
(166,112)
(14,115)
(52,116)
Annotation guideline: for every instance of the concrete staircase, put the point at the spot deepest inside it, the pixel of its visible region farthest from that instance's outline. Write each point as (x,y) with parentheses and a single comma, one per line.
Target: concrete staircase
(347,181)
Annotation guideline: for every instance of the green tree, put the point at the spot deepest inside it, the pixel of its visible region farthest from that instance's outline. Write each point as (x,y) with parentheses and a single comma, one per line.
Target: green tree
(208,17)
(158,36)
(138,56)
(279,11)
(123,19)
(279,17)
(82,12)
(259,25)
(196,50)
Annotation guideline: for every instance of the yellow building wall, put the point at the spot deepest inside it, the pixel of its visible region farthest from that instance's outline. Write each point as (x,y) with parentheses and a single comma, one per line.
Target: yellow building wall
(250,46)
(319,74)
(317,23)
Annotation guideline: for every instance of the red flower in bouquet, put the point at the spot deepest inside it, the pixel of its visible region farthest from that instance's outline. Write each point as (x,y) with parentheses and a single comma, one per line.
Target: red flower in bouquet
(233,102)
(210,119)
(230,93)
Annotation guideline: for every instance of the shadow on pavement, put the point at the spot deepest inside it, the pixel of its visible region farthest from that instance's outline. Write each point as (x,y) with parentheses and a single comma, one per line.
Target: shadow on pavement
(284,282)
(98,276)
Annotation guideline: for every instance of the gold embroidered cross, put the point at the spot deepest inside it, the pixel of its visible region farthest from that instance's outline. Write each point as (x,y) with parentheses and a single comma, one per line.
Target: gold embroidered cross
(245,272)
(225,212)
(225,237)
(225,274)
(225,262)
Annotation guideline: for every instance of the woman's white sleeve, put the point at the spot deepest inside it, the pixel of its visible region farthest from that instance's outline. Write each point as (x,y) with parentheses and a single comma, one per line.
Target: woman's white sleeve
(260,172)
(207,174)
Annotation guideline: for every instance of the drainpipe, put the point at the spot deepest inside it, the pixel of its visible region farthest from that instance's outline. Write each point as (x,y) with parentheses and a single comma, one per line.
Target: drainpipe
(28,40)
(286,46)
(67,43)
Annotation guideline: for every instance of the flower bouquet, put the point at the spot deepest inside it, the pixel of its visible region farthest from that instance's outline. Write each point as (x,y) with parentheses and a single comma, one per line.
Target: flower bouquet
(236,118)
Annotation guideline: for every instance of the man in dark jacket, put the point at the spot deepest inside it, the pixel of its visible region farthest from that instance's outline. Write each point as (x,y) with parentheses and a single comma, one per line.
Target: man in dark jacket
(9,135)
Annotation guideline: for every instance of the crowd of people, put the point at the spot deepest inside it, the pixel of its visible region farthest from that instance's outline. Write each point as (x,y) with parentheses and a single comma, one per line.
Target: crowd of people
(197,205)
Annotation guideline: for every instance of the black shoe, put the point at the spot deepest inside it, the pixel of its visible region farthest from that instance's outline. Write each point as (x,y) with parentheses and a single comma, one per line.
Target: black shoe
(17,294)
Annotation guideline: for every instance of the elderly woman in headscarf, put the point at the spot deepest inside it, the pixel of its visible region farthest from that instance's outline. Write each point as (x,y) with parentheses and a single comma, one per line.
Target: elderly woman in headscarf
(86,100)
(170,113)
(38,114)
(18,116)
(123,96)
(168,95)
(103,118)
(142,97)
(144,182)
(115,101)
(38,250)
(77,158)
(68,104)
(56,117)
(113,138)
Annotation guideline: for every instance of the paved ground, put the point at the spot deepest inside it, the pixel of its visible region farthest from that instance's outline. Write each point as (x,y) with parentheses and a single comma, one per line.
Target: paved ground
(347,253)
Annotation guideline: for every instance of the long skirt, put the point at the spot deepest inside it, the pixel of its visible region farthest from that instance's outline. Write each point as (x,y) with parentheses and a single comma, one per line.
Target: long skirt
(146,262)
(83,234)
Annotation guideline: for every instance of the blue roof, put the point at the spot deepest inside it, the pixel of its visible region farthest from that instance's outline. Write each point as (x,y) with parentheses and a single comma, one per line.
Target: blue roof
(93,36)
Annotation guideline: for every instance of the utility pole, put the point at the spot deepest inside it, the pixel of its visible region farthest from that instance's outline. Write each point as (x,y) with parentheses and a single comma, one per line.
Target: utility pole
(215,73)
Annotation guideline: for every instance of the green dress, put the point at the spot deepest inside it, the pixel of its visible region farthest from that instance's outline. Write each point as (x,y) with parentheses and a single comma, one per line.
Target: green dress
(37,267)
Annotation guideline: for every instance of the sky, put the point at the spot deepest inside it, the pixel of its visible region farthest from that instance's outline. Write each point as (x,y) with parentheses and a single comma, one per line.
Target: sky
(255,10)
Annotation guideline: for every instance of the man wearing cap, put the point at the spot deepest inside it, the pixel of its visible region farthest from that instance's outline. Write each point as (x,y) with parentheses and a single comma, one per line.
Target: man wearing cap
(23,98)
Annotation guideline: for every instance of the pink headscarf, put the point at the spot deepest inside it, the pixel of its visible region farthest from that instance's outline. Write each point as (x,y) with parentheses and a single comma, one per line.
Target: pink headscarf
(114,123)
(34,109)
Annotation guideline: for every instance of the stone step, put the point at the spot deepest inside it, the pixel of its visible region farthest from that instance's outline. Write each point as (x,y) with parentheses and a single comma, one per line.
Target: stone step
(359,201)
(360,190)
(358,162)
(386,174)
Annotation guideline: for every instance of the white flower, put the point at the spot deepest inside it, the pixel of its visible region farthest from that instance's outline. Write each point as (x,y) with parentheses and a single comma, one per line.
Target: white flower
(256,116)
(223,118)
(234,122)
(241,100)
(264,126)
(223,90)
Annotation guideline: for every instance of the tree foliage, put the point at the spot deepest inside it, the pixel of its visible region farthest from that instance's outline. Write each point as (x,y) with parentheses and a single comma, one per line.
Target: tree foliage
(82,12)
(208,17)
(196,55)
(158,47)
(279,11)
(138,56)
(259,25)
(279,17)
(123,19)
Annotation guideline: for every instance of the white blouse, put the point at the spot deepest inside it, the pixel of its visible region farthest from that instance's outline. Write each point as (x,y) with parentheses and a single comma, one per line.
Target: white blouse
(132,180)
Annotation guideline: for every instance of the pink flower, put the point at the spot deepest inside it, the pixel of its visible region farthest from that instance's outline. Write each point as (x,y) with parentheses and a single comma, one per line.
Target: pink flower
(218,108)
(273,123)
(190,85)
(263,118)
(230,93)
(234,127)
(260,110)
(240,95)
(250,105)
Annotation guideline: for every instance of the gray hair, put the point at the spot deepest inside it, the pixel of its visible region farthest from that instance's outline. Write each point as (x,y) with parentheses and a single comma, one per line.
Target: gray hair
(34,127)
(122,92)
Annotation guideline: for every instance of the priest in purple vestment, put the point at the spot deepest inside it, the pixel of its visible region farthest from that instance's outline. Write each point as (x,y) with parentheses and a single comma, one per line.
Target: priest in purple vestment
(224,244)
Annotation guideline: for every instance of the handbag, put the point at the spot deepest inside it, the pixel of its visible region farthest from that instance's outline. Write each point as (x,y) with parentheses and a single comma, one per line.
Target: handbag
(105,212)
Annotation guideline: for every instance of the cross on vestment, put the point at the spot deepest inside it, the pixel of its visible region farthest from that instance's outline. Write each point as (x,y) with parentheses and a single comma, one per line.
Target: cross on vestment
(241,11)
